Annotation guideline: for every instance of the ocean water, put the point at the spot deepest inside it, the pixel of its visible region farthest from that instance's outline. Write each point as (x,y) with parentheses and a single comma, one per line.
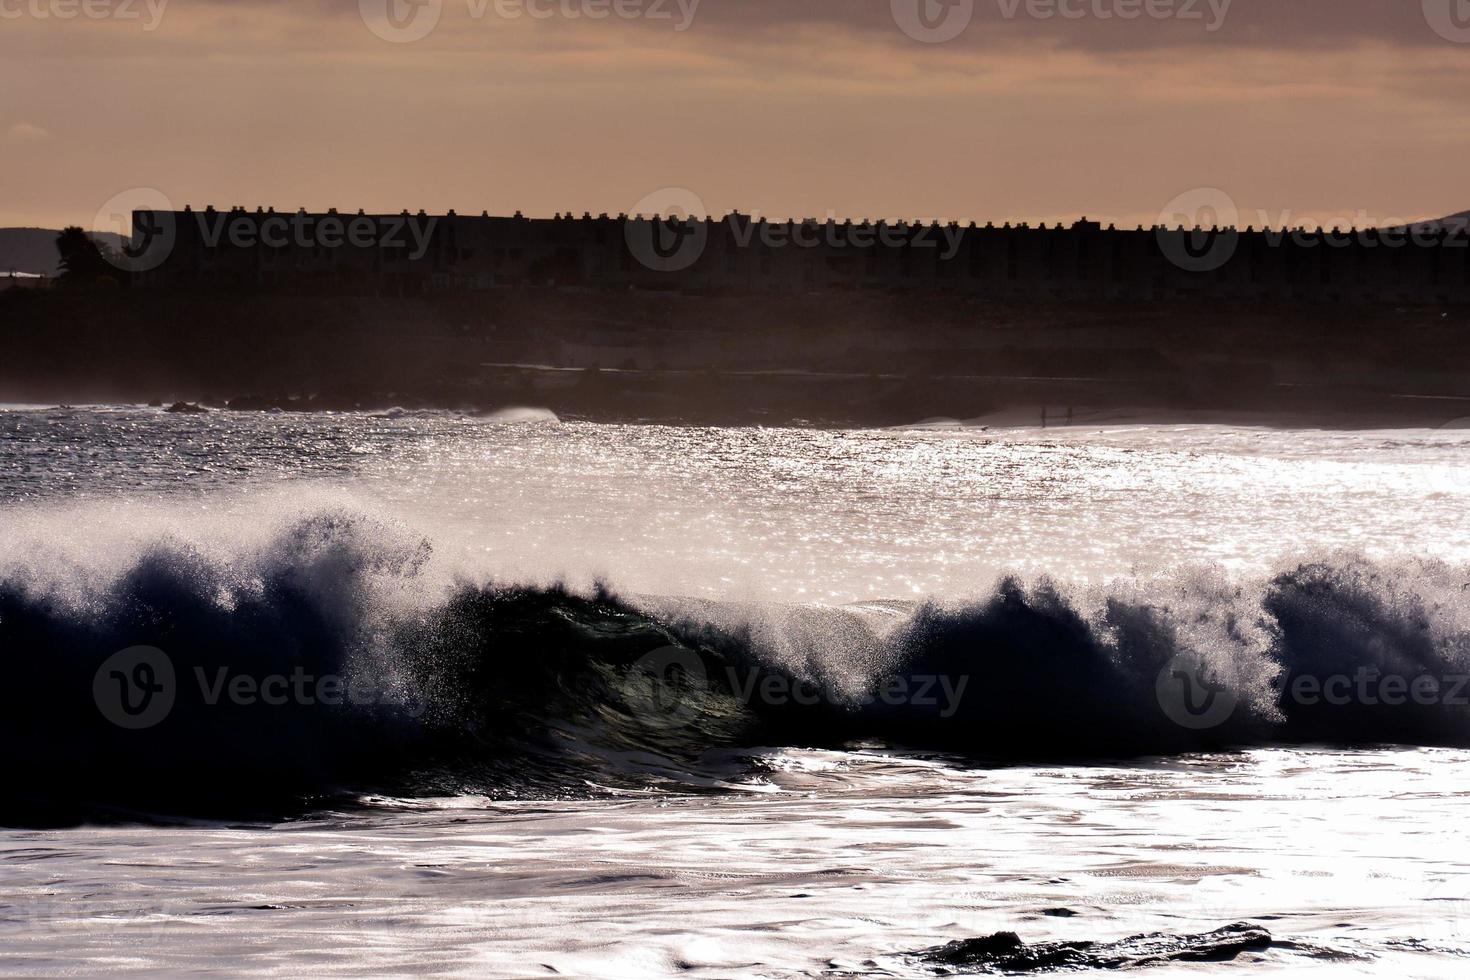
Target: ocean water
(424,692)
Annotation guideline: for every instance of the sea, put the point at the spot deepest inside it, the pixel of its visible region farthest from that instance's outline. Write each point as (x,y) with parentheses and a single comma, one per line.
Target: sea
(422,692)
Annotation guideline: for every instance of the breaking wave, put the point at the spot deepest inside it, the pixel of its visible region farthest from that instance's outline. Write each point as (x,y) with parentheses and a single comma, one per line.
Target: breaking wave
(329,661)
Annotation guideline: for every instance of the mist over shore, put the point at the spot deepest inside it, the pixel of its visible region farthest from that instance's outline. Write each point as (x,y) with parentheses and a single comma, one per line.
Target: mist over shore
(808,359)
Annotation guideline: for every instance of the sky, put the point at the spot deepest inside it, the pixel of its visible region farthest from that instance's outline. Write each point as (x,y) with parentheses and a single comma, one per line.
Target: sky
(1279,111)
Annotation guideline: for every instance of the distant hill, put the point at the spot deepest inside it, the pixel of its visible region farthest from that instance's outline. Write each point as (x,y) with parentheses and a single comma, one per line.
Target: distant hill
(34,249)
(1453,223)
(1456,222)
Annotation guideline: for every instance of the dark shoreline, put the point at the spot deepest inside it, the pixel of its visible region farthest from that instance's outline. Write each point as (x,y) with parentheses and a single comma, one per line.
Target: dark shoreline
(1014,417)
(822,360)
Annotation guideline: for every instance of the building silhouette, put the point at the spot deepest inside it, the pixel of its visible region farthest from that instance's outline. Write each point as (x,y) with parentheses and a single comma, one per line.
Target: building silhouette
(419,254)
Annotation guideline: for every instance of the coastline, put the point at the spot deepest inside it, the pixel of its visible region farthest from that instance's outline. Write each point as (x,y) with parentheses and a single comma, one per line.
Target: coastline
(818,360)
(1084,419)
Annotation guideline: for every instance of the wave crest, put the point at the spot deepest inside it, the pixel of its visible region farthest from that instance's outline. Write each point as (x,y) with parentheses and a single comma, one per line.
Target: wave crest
(322,662)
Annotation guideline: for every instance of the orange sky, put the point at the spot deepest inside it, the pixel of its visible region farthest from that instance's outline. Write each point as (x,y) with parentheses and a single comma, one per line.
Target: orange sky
(1312,110)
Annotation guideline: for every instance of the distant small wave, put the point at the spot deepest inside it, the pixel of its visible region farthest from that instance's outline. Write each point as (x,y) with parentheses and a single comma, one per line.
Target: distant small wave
(509,416)
(522,414)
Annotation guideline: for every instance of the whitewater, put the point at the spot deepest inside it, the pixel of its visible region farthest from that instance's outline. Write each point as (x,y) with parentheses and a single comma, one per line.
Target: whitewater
(370,693)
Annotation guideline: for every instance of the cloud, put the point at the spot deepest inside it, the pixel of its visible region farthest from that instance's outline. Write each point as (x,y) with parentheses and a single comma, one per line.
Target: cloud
(1109,25)
(1119,26)
(790,107)
(24,132)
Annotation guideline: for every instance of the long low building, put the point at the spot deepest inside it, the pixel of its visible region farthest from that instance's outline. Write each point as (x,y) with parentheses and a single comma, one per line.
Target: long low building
(413,254)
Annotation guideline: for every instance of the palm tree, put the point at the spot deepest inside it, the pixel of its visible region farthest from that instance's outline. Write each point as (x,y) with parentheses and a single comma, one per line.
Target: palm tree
(82,262)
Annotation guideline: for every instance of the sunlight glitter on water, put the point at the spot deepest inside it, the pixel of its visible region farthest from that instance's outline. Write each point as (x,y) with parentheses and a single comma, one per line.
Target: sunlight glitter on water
(817,862)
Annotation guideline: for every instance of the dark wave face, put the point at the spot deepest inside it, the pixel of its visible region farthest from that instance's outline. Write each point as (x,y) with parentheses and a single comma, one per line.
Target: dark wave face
(313,670)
